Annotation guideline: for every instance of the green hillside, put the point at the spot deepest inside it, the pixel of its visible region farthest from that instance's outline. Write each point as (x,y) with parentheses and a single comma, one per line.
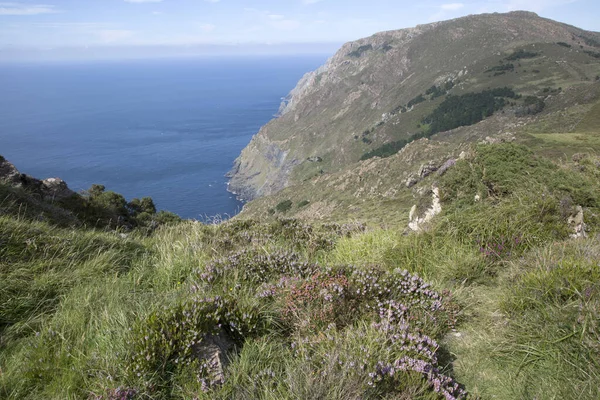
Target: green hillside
(461,260)
(494,299)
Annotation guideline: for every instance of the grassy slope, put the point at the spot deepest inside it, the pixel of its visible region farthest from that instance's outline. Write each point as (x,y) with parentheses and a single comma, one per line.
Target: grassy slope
(77,306)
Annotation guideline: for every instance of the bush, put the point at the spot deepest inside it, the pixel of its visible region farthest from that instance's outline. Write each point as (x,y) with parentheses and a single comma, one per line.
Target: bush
(419,99)
(502,68)
(360,51)
(521,54)
(466,109)
(284,206)
(531,105)
(303,203)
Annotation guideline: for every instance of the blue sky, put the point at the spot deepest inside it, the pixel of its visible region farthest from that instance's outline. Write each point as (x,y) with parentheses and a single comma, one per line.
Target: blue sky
(52,25)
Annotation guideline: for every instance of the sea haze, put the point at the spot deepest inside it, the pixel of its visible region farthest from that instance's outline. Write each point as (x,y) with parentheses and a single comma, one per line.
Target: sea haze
(169,129)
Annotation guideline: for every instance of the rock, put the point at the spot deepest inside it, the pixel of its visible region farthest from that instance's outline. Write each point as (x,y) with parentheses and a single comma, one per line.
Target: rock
(416,222)
(213,350)
(411,181)
(578,224)
(51,188)
(446,166)
(477,197)
(427,169)
(9,173)
(314,159)
(462,155)
(56,189)
(501,138)
(413,213)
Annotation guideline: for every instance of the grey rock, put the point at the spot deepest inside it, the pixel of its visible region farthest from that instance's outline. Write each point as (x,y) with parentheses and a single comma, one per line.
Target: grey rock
(411,181)
(51,188)
(213,350)
(427,169)
(9,173)
(55,188)
(446,166)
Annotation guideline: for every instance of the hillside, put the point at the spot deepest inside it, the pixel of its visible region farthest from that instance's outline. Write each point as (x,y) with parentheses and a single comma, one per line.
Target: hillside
(497,297)
(459,264)
(381,89)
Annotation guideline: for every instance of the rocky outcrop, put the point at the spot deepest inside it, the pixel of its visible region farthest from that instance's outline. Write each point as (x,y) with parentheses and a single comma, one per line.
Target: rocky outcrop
(416,222)
(577,223)
(48,189)
(213,352)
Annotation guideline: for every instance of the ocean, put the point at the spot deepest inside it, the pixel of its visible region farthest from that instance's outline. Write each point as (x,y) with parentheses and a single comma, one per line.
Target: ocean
(168,129)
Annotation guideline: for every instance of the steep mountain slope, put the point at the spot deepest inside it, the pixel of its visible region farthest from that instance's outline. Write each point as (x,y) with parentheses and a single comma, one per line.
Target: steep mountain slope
(379,90)
(383,190)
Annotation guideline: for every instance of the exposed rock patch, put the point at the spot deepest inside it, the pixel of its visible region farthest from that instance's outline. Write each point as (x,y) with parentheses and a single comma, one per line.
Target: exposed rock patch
(51,188)
(576,221)
(415,222)
(213,350)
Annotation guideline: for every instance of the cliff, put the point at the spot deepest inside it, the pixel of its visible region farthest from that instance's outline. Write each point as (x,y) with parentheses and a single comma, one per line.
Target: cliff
(361,98)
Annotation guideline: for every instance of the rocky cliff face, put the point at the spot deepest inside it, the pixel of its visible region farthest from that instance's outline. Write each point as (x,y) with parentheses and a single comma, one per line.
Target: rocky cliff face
(51,188)
(350,105)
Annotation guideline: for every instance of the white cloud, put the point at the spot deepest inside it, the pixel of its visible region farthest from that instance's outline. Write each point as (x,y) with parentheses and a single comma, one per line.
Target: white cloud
(311,1)
(276,16)
(114,35)
(207,27)
(286,24)
(212,1)
(26,9)
(452,6)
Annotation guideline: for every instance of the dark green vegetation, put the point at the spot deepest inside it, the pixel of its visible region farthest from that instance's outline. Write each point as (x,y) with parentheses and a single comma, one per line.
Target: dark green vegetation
(521,54)
(594,54)
(284,206)
(359,52)
(502,68)
(457,111)
(467,109)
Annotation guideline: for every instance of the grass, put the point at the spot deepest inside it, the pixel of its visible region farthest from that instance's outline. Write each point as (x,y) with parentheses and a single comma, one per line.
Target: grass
(495,296)
(591,122)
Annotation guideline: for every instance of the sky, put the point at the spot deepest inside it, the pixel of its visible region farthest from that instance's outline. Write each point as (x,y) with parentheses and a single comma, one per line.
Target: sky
(120,28)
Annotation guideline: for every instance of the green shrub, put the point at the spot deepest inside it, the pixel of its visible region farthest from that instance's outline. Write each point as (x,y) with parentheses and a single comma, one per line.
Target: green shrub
(521,54)
(466,109)
(284,206)
(502,68)
(303,203)
(360,51)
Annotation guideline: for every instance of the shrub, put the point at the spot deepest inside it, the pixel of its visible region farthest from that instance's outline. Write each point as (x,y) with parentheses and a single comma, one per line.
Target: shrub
(303,203)
(284,206)
(502,68)
(521,54)
(419,99)
(466,109)
(360,51)
(531,105)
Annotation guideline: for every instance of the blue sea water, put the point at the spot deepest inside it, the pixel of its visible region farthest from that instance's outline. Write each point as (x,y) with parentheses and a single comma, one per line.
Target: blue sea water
(169,129)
